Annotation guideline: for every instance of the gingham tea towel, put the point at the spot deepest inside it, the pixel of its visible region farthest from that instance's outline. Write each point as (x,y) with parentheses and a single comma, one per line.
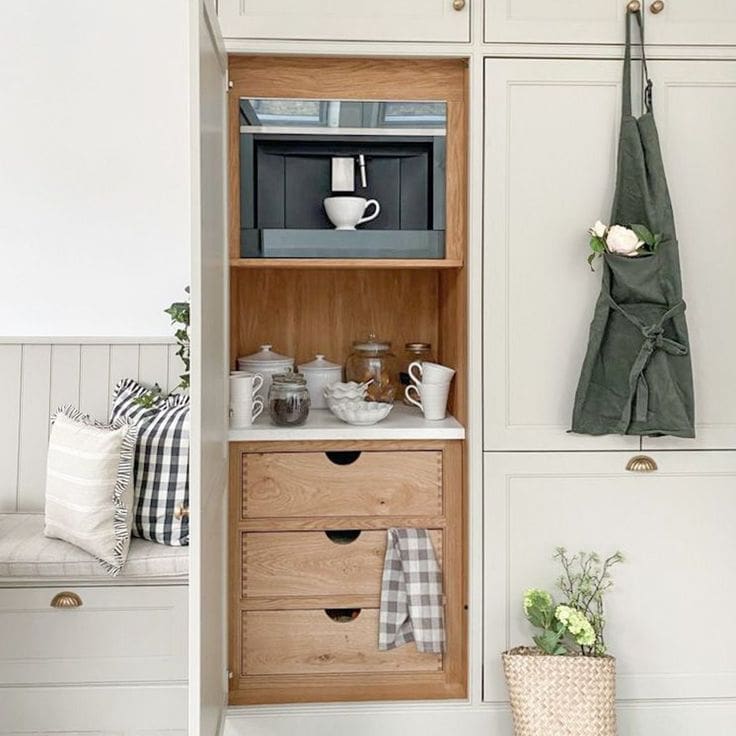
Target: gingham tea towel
(411,593)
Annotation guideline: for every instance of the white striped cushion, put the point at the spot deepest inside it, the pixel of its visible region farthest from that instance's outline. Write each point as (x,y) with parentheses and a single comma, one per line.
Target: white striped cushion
(89,485)
(27,555)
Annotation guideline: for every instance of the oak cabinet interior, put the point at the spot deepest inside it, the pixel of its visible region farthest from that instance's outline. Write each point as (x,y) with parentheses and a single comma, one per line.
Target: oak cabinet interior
(308,536)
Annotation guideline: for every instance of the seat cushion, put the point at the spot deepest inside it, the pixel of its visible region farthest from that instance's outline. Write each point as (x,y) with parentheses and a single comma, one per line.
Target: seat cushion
(26,553)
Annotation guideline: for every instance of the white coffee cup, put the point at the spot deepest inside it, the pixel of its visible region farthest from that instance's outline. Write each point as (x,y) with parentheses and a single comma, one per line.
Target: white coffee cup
(347,212)
(245,406)
(431,398)
(430,372)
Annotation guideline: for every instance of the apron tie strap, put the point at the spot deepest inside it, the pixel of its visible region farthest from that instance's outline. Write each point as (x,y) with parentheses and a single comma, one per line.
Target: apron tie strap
(654,339)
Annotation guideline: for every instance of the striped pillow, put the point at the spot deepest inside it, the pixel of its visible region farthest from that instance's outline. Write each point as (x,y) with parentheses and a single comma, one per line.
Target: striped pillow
(161,473)
(89,488)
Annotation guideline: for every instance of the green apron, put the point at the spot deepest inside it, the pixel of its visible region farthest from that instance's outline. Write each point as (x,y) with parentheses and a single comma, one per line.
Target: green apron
(637,376)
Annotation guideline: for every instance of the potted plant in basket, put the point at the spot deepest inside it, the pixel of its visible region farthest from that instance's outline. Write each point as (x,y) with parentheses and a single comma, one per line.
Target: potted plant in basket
(566,684)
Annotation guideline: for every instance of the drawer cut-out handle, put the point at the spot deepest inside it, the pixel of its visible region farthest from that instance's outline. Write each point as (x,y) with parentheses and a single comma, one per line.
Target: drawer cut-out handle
(343,536)
(343,458)
(343,615)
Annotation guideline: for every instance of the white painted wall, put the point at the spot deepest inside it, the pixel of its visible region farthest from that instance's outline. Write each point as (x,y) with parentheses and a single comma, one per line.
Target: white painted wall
(94,166)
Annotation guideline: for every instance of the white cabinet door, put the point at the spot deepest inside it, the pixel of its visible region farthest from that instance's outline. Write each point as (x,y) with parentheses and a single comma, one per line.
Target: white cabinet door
(700,22)
(695,106)
(346,20)
(555,21)
(675,528)
(550,158)
(208,472)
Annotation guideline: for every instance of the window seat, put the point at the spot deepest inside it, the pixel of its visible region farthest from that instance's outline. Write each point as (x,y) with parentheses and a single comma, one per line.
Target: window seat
(26,555)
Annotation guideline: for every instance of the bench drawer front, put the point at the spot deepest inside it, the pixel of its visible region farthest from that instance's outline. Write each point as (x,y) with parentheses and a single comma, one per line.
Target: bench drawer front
(312,484)
(118,634)
(311,642)
(306,564)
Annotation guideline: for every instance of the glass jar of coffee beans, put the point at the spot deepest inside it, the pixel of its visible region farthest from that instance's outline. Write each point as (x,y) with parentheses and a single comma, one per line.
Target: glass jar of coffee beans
(288,400)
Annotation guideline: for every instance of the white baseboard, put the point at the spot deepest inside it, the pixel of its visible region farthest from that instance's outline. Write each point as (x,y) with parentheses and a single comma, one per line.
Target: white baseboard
(670,718)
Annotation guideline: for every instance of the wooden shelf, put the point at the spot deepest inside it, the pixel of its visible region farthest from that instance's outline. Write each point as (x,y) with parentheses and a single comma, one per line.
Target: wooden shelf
(346,263)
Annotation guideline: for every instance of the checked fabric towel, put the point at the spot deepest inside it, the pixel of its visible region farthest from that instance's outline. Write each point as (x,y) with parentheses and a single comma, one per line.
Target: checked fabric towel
(411,593)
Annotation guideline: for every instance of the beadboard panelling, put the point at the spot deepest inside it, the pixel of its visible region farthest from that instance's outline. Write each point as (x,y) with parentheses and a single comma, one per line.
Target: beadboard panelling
(36,377)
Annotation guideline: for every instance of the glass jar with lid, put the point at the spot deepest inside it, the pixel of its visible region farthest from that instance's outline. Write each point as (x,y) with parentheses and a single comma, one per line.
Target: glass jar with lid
(372,360)
(413,352)
(288,399)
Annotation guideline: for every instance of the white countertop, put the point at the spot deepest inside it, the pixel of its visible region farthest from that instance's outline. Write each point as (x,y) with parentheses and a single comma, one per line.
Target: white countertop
(403,423)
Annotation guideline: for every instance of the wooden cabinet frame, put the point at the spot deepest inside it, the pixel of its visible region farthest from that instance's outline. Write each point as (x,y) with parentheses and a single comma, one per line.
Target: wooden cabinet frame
(450,682)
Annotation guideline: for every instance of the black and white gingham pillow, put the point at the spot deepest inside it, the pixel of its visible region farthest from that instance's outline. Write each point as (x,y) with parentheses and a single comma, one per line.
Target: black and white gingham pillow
(161,472)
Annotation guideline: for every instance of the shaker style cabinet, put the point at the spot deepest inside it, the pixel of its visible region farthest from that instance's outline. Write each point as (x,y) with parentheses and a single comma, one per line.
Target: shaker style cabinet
(695,106)
(347,20)
(551,133)
(539,292)
(669,524)
(699,22)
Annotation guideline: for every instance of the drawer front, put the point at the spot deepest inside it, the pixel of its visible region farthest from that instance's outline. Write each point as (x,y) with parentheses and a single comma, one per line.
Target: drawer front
(118,634)
(316,563)
(311,642)
(342,484)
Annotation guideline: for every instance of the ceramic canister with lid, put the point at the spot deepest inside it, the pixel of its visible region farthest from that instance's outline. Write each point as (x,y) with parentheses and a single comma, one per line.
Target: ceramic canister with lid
(319,373)
(267,363)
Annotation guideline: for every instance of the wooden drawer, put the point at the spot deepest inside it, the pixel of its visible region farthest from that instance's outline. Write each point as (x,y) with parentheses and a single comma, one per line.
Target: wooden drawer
(304,484)
(118,634)
(286,564)
(311,642)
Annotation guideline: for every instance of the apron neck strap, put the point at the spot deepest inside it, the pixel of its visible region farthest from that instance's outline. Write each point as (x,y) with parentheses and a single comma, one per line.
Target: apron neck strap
(646,87)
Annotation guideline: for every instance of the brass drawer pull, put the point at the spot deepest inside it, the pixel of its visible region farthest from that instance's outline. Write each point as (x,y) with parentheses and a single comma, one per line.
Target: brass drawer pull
(657,7)
(342,536)
(66,599)
(458,4)
(343,615)
(343,458)
(634,6)
(641,464)
(181,511)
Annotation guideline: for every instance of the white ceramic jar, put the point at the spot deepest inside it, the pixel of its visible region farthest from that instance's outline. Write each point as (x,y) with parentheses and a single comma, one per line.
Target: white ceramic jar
(319,373)
(267,363)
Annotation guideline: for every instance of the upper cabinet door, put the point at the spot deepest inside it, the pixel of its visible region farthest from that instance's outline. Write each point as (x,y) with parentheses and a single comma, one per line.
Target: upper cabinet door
(550,160)
(695,107)
(347,20)
(701,22)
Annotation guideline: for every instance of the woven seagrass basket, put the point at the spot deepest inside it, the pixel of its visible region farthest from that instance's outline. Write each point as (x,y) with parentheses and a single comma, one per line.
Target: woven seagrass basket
(560,695)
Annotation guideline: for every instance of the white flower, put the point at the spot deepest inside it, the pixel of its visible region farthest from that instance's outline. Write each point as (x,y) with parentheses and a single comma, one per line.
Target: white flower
(623,241)
(599,229)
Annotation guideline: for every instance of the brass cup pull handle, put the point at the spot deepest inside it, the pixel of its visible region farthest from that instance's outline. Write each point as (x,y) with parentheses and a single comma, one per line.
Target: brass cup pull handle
(66,599)
(657,7)
(641,464)
(458,4)
(181,511)
(634,6)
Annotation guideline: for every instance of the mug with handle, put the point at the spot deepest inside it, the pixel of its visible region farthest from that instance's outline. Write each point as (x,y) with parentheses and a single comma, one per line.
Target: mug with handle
(431,398)
(427,372)
(245,406)
(347,212)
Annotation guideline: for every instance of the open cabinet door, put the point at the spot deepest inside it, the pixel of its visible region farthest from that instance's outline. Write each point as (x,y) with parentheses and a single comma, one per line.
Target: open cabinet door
(209,371)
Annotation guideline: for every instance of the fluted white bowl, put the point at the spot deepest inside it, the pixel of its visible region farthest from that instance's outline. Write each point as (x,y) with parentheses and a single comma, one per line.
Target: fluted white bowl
(350,390)
(358,412)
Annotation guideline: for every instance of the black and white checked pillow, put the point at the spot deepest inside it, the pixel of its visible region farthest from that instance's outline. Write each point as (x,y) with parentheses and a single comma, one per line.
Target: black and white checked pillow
(161,471)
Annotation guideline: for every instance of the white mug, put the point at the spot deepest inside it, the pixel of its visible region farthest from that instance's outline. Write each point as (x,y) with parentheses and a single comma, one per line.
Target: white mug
(430,372)
(245,406)
(431,399)
(347,212)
